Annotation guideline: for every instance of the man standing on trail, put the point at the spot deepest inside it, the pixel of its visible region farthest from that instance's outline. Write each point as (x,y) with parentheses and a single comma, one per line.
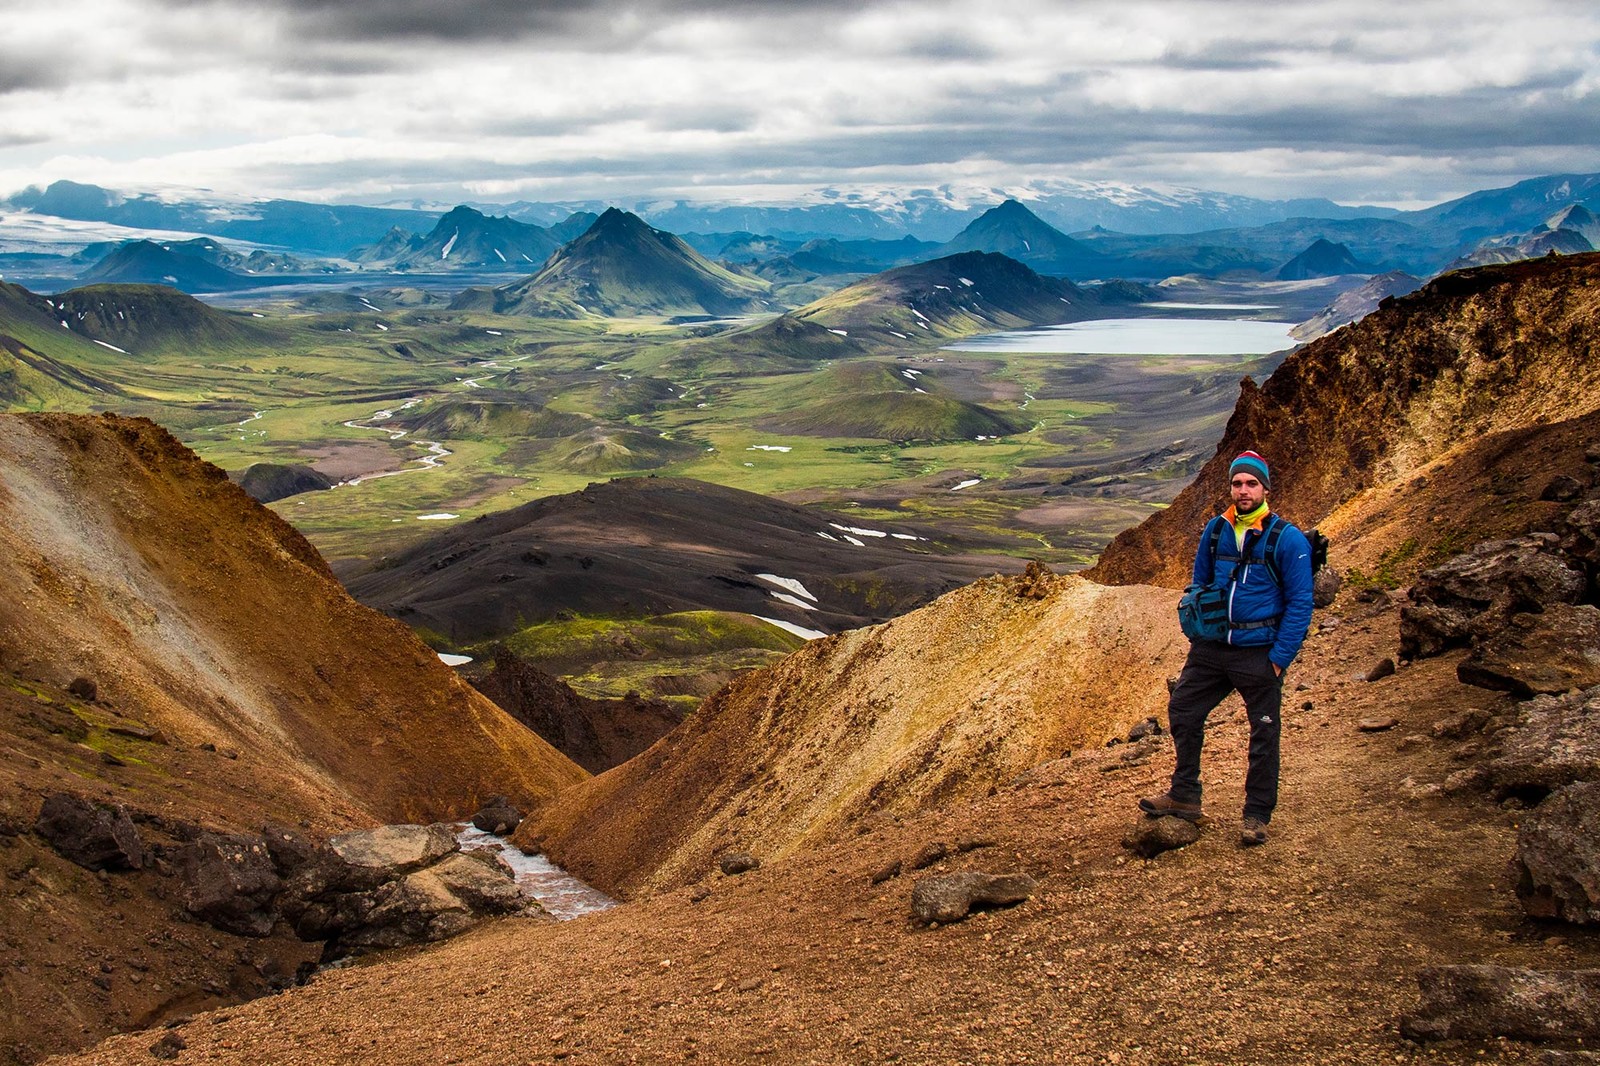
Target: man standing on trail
(1257,567)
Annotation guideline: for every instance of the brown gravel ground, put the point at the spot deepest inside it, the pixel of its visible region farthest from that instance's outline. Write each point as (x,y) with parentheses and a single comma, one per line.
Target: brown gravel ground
(1302,951)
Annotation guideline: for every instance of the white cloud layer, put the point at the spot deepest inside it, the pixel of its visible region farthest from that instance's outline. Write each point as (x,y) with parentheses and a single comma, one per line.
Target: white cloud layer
(396,99)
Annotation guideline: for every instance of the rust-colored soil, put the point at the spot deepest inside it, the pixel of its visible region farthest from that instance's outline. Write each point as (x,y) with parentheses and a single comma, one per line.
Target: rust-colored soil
(1302,951)
(939,705)
(235,684)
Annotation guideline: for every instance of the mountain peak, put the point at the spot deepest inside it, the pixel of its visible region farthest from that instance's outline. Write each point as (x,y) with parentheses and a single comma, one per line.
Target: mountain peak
(1011,229)
(620,267)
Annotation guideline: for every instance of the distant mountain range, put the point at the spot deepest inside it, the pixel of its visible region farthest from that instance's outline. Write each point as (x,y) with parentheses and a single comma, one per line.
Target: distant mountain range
(1080,231)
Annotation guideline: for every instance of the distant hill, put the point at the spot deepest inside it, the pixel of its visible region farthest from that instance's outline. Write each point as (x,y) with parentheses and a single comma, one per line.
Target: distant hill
(621,267)
(954,296)
(1515,207)
(646,546)
(1572,230)
(880,400)
(832,256)
(267,482)
(145,319)
(468,238)
(1556,242)
(42,364)
(552,439)
(1355,304)
(1323,259)
(255,262)
(1012,230)
(148,263)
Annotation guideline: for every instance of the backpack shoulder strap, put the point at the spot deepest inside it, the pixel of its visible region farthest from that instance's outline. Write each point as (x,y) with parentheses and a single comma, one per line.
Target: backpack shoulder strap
(1269,546)
(1214,538)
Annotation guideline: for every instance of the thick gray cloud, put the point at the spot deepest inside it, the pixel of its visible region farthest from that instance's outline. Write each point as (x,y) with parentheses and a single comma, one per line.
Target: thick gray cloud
(506,99)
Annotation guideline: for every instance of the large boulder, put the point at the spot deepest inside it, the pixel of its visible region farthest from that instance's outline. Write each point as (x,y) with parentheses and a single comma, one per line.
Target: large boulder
(230,882)
(1480,1002)
(951,897)
(94,837)
(1475,593)
(1555,651)
(1558,856)
(395,849)
(435,903)
(1556,743)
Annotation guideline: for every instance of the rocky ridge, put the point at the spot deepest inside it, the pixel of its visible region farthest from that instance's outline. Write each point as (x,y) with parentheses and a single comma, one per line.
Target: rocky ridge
(1471,370)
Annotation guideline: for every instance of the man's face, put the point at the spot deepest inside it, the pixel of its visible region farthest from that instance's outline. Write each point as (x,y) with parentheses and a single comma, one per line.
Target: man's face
(1247,492)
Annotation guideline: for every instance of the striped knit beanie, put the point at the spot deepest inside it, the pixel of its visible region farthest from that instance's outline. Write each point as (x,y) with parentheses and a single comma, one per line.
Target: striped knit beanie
(1251,463)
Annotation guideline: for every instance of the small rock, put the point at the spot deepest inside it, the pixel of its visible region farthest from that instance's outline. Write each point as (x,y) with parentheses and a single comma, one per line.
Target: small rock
(951,897)
(1469,780)
(737,862)
(1376,725)
(1325,586)
(1563,489)
(168,1046)
(1460,725)
(1149,837)
(1036,581)
(699,894)
(885,873)
(84,689)
(749,984)
(930,853)
(499,816)
(1381,670)
(1147,728)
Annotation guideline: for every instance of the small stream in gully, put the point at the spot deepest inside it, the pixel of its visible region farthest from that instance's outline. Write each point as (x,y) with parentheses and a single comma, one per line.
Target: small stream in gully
(563,896)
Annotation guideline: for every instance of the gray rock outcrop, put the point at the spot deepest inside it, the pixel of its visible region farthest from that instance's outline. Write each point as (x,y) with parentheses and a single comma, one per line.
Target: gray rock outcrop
(1475,593)
(394,848)
(1554,651)
(1478,1002)
(1558,856)
(377,888)
(1556,743)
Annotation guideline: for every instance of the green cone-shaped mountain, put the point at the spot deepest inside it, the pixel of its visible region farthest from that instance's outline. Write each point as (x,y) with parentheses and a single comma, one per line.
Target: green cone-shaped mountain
(621,267)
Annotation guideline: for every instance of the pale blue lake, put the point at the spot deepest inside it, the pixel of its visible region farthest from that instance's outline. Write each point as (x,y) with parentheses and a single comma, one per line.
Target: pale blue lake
(1140,336)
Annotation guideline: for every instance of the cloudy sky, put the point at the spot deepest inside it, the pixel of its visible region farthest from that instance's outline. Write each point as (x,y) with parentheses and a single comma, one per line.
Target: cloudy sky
(1400,102)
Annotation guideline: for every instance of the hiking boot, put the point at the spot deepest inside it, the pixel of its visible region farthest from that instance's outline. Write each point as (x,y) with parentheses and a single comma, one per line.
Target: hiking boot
(1163,805)
(1252,831)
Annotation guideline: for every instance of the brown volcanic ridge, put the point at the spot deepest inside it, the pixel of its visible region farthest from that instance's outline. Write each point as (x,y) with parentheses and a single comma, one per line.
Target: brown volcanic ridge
(234,684)
(938,742)
(635,547)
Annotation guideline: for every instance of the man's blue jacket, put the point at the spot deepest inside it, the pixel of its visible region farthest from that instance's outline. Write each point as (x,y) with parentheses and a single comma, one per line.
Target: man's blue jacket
(1256,597)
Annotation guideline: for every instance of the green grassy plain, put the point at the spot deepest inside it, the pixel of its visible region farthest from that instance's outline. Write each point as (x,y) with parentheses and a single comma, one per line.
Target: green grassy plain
(528,408)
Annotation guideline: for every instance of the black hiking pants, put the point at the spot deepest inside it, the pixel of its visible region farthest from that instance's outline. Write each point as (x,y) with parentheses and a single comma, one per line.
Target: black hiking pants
(1211,672)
